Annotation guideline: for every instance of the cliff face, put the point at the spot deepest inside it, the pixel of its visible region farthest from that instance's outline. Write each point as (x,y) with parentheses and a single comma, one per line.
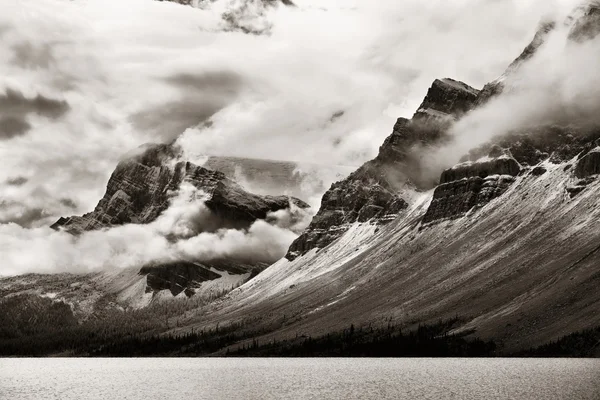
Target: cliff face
(471,185)
(589,164)
(141,186)
(248,16)
(447,97)
(187,277)
(586,25)
(378,191)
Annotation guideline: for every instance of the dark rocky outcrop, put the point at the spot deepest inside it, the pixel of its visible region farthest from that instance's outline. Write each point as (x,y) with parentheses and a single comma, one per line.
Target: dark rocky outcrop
(584,25)
(374,191)
(176,277)
(471,185)
(587,26)
(141,186)
(185,276)
(346,202)
(589,164)
(447,97)
(531,146)
(538,171)
(493,166)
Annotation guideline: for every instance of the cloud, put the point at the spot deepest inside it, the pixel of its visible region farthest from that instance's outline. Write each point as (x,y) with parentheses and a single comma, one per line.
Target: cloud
(204,95)
(14,102)
(11,126)
(559,85)
(31,56)
(145,71)
(15,107)
(184,231)
(17,181)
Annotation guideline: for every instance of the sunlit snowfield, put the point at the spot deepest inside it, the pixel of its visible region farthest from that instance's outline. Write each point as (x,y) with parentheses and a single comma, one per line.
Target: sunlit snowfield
(299,379)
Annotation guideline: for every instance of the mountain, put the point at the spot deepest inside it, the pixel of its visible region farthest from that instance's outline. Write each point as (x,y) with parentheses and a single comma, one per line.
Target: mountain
(138,192)
(381,189)
(582,24)
(140,188)
(506,240)
(504,244)
(247,16)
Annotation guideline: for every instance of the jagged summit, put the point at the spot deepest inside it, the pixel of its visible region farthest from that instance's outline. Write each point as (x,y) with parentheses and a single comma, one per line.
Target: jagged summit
(447,97)
(379,191)
(141,186)
(484,173)
(140,190)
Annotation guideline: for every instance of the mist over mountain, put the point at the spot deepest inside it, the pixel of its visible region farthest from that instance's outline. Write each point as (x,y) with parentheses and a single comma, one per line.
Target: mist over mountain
(226,164)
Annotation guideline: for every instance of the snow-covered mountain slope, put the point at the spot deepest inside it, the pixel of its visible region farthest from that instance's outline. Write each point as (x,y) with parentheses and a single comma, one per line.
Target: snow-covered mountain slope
(522,270)
(93,294)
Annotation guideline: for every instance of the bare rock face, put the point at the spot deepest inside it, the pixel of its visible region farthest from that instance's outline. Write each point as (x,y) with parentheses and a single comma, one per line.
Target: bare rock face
(587,26)
(140,188)
(374,191)
(247,16)
(584,25)
(496,86)
(356,199)
(449,97)
(494,166)
(533,145)
(471,185)
(589,164)
(176,277)
(185,277)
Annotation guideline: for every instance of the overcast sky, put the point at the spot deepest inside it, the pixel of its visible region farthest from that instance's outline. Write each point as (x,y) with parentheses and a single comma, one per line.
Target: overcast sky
(82,82)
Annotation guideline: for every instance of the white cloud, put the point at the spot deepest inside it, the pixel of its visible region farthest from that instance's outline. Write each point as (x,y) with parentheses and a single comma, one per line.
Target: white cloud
(559,85)
(184,231)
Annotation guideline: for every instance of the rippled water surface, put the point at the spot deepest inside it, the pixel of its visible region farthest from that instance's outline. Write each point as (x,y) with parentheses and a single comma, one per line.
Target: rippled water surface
(262,378)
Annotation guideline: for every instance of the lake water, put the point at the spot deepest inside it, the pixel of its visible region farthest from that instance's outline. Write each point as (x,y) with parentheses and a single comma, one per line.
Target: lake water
(263,378)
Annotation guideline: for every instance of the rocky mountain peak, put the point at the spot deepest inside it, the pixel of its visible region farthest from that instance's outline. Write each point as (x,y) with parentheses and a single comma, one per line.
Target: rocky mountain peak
(583,24)
(447,97)
(378,191)
(141,186)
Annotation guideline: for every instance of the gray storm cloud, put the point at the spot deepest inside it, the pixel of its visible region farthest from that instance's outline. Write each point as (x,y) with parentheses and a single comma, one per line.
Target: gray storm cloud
(15,108)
